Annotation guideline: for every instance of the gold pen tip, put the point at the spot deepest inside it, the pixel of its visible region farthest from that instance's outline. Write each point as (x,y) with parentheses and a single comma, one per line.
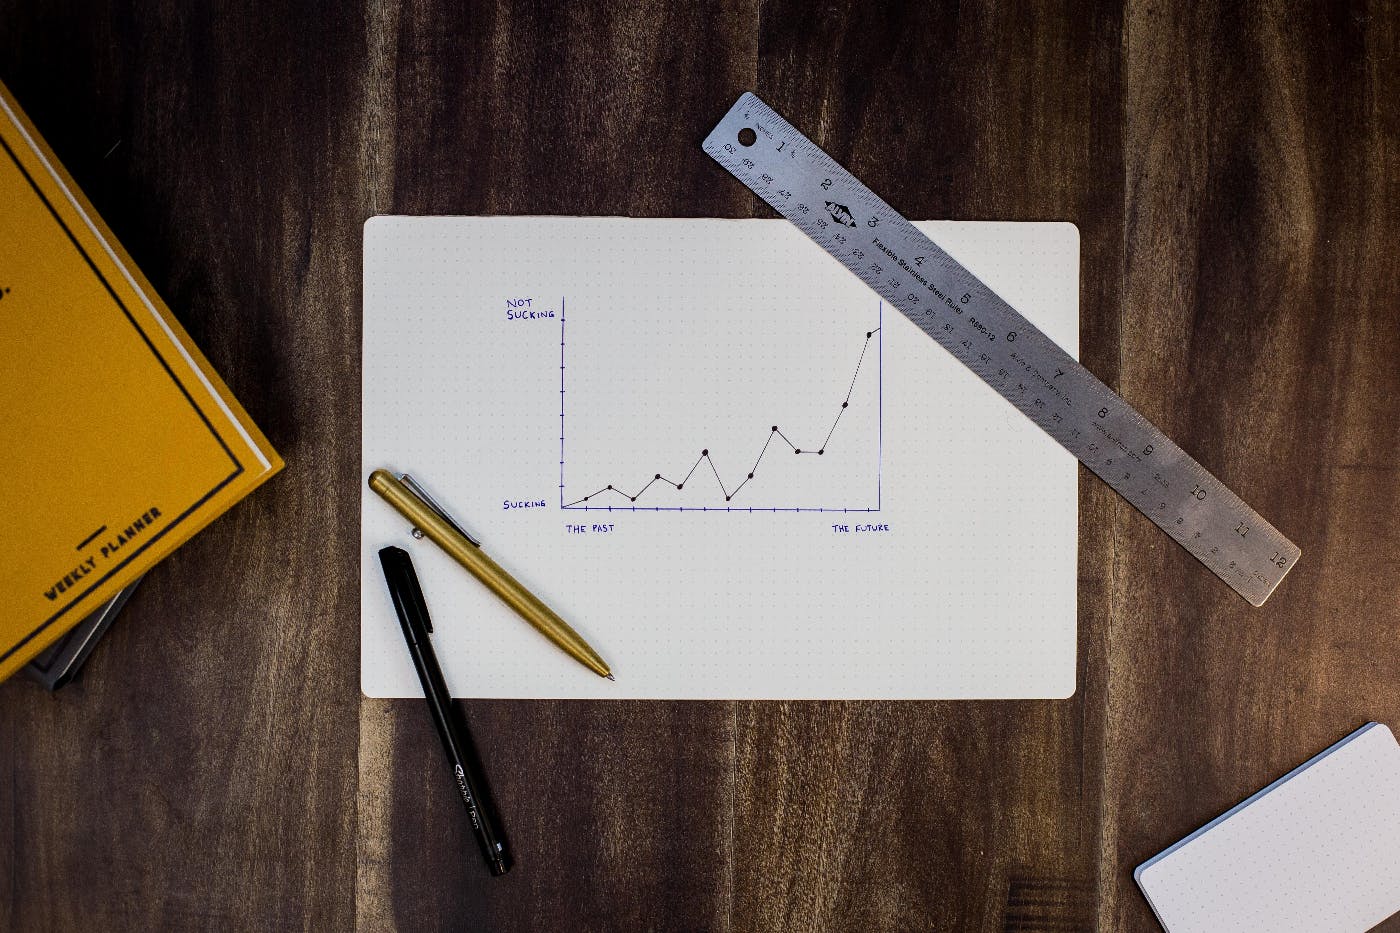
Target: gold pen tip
(612,678)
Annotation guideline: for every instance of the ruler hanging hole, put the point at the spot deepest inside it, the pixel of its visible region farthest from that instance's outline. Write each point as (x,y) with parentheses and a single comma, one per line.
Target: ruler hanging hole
(747,137)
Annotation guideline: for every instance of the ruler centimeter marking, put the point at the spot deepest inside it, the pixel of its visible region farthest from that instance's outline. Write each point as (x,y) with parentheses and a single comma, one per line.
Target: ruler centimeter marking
(1005,350)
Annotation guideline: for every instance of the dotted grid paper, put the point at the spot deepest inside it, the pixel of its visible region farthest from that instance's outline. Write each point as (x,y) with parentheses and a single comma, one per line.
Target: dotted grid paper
(1318,850)
(934,553)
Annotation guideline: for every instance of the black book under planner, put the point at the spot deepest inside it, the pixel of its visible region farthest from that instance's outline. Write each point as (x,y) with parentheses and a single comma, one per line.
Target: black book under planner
(59,663)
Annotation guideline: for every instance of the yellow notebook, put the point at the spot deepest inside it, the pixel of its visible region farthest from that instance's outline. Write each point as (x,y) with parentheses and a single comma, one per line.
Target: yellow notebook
(119,441)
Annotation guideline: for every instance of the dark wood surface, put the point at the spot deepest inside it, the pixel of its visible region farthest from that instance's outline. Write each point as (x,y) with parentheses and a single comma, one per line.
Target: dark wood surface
(1234,173)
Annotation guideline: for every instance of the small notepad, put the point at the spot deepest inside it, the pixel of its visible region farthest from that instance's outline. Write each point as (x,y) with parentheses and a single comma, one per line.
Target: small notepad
(1317,850)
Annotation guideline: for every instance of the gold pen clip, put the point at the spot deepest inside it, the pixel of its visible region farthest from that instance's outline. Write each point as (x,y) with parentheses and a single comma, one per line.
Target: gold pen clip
(432,503)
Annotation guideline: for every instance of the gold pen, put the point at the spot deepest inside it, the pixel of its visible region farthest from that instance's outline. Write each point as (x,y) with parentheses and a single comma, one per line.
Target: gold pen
(429,520)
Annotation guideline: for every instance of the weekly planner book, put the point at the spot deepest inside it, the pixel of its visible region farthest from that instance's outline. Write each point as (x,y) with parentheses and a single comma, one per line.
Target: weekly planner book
(120,440)
(717,455)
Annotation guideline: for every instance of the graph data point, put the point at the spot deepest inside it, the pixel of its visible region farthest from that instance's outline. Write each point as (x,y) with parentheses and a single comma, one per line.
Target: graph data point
(750,476)
(822,451)
(680,485)
(797,450)
(610,487)
(868,333)
(634,498)
(727,498)
(775,427)
(658,475)
(845,404)
(705,452)
(585,498)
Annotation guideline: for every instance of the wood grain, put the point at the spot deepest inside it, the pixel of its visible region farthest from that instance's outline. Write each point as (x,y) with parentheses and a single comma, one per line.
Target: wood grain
(621,812)
(202,773)
(1261,330)
(942,816)
(1233,179)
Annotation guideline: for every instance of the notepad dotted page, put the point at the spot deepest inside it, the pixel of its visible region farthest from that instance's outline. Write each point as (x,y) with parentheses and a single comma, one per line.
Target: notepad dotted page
(1317,851)
(664,338)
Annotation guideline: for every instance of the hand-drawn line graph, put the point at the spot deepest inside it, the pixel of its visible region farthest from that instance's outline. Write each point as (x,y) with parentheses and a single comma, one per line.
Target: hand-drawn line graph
(619,497)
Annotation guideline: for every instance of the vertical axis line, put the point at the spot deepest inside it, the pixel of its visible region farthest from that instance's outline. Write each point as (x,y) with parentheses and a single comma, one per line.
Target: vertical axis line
(560,402)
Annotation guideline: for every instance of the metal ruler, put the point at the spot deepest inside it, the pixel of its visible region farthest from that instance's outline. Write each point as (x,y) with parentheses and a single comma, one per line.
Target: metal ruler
(1008,352)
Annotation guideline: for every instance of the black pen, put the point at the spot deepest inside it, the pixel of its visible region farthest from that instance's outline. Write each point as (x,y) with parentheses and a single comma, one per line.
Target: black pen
(461,754)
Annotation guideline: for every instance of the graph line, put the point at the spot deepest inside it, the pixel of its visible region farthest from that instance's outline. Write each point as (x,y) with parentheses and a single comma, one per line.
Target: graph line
(611,490)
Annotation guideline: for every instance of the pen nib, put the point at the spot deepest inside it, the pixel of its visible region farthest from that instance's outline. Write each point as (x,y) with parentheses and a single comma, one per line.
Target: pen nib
(612,678)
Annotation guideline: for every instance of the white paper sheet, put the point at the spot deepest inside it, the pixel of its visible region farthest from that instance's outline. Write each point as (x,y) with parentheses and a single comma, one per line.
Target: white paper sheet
(934,555)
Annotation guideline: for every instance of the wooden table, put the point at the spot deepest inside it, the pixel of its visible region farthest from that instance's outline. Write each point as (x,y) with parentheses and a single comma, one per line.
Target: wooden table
(1234,175)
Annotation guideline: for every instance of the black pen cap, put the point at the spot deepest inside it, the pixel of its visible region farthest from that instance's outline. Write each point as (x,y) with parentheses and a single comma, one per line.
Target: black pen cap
(406,593)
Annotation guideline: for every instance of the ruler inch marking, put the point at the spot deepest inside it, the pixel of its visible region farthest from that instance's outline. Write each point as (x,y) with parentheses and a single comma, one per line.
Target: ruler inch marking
(1002,347)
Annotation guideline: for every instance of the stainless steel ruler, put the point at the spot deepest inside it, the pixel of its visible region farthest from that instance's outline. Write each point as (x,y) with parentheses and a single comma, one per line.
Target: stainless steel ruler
(1008,352)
